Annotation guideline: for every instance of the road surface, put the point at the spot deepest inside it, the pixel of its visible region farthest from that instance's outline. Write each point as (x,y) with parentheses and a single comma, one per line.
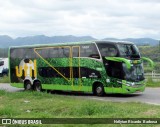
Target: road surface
(150,95)
(7,87)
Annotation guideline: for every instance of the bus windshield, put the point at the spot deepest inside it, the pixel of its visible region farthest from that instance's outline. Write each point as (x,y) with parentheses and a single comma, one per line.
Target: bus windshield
(135,73)
(128,50)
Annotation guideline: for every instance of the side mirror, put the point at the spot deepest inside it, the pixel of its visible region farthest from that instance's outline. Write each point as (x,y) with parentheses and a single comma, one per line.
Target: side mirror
(119,59)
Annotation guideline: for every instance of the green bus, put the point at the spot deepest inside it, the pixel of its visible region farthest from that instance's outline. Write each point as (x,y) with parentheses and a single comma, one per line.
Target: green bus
(99,67)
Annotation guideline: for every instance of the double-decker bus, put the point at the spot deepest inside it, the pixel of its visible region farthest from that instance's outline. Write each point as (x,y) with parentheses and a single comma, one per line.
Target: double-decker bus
(99,67)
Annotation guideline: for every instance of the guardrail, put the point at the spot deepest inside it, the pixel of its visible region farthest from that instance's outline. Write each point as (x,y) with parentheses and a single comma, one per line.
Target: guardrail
(154,76)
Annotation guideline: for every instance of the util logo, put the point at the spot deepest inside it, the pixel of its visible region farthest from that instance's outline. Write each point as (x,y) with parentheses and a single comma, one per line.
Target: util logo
(27,66)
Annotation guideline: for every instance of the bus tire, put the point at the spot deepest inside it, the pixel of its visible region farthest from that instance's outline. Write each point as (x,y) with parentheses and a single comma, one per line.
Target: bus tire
(27,85)
(98,89)
(37,86)
(4,74)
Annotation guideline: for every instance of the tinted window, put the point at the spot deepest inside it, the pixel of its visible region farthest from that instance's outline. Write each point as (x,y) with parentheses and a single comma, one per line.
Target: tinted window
(49,72)
(89,50)
(114,69)
(75,51)
(58,52)
(128,50)
(53,52)
(22,53)
(64,52)
(107,50)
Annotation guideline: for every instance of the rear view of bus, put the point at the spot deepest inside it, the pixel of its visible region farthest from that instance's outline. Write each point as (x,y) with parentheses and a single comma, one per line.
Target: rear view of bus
(123,65)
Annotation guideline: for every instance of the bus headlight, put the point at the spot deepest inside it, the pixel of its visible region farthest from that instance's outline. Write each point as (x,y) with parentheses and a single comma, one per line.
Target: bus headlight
(130,84)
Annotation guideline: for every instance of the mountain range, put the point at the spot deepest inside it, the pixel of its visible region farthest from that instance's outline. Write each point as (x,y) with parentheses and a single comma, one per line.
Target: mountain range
(6,41)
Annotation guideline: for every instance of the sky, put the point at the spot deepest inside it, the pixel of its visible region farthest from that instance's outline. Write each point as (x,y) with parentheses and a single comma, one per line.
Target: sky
(96,18)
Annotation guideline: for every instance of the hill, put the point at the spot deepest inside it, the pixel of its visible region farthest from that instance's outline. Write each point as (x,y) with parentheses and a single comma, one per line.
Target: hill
(137,41)
(7,41)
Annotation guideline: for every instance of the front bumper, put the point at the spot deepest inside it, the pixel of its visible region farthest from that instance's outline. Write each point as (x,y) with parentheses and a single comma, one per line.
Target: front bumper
(133,89)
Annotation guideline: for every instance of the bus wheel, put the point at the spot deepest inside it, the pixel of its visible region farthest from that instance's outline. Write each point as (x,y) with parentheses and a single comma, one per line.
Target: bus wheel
(27,85)
(99,90)
(37,86)
(4,74)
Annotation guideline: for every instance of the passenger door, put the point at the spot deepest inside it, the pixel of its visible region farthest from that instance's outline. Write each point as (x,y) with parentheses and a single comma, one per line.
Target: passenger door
(115,72)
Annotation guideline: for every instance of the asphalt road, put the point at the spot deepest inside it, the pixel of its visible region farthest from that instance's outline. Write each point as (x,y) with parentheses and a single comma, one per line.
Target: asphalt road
(9,88)
(150,95)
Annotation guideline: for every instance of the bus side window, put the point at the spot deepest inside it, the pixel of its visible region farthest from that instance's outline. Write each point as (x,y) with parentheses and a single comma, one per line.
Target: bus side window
(75,52)
(105,52)
(83,52)
(44,53)
(19,53)
(94,52)
(108,50)
(113,52)
(89,51)
(60,52)
(64,52)
(53,53)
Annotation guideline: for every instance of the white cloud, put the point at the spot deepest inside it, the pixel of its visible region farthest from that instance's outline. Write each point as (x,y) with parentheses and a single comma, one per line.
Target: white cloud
(98,18)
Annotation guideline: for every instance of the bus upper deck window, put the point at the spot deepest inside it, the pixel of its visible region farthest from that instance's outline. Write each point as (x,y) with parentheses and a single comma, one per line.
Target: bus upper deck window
(113,52)
(107,50)
(89,50)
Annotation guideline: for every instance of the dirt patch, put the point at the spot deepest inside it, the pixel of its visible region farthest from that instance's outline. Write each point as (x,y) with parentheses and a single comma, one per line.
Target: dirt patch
(150,112)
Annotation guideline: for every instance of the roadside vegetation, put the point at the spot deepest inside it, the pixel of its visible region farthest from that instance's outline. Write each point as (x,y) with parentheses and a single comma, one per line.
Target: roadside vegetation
(30,104)
(151,83)
(152,52)
(4,79)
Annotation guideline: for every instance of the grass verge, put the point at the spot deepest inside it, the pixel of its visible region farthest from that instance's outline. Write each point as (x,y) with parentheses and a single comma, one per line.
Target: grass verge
(4,79)
(151,83)
(44,105)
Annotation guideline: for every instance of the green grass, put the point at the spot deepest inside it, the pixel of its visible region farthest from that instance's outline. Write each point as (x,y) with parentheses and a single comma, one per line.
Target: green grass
(151,83)
(4,79)
(44,105)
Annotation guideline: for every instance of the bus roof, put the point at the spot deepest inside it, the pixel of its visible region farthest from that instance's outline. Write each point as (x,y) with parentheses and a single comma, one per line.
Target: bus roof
(114,42)
(72,43)
(53,44)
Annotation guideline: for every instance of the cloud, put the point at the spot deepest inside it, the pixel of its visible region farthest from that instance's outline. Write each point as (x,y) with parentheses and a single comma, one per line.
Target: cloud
(98,18)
